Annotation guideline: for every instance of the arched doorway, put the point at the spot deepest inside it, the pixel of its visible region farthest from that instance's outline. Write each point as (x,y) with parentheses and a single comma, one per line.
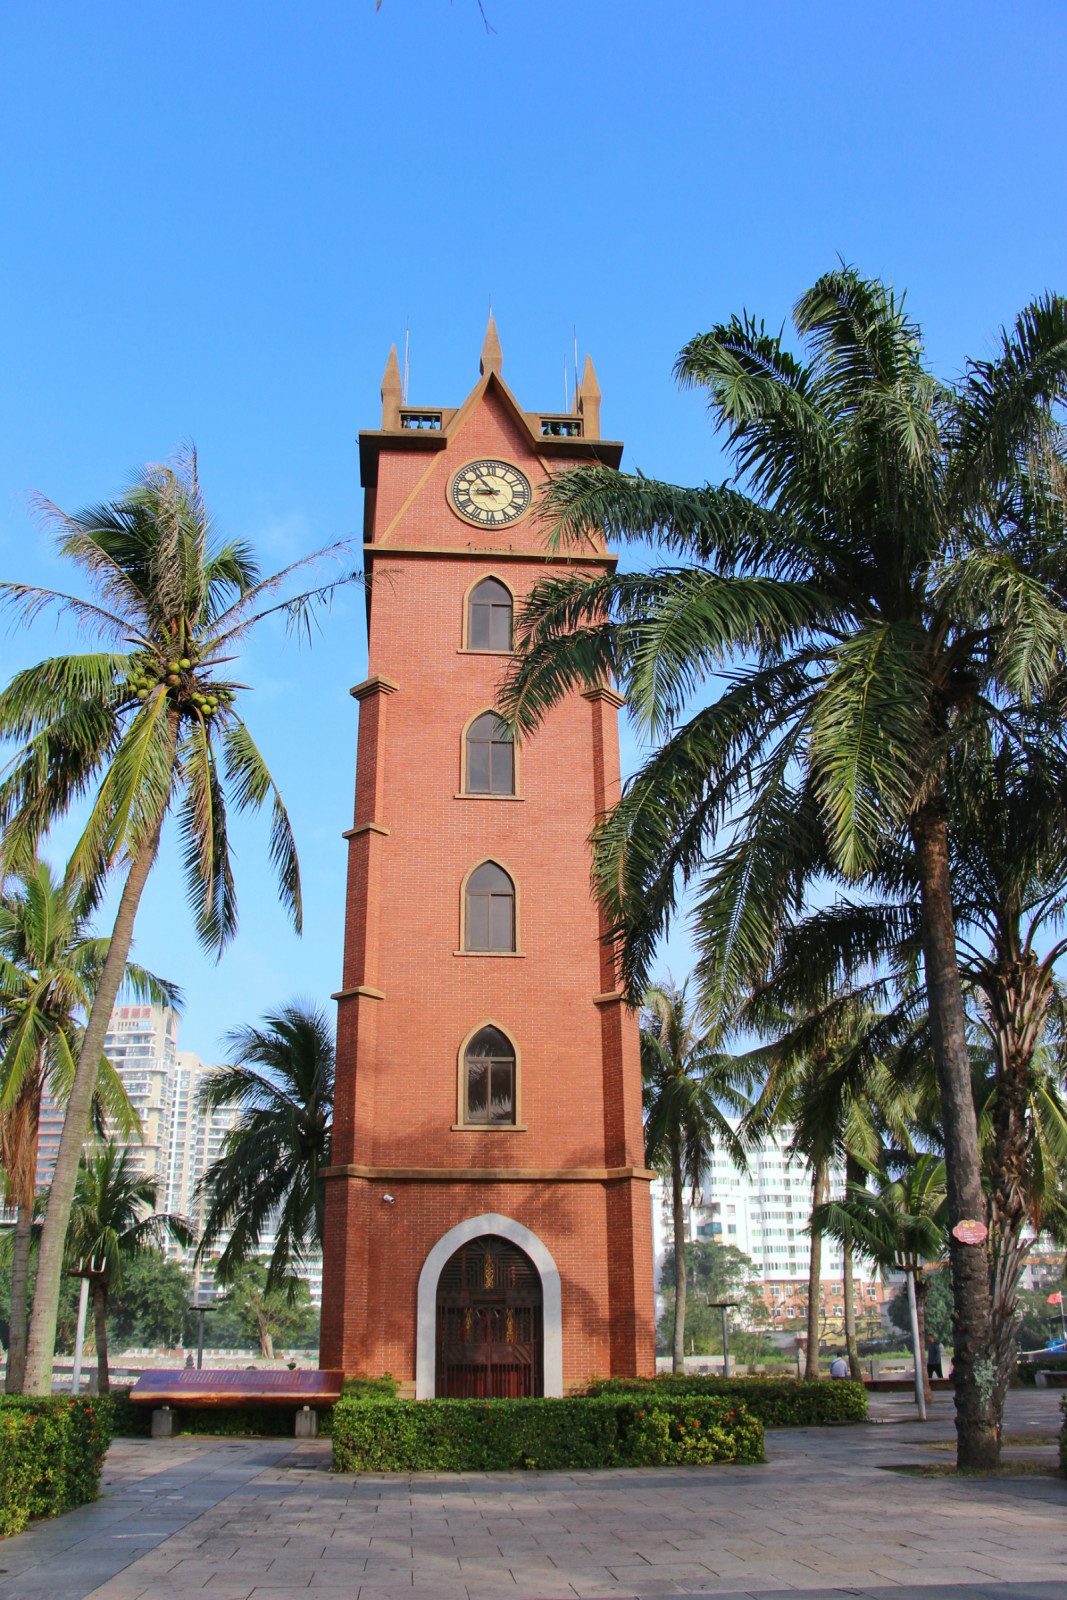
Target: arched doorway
(489,1323)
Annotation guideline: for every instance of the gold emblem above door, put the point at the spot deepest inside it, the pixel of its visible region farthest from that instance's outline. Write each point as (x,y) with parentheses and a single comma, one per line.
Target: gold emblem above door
(490,493)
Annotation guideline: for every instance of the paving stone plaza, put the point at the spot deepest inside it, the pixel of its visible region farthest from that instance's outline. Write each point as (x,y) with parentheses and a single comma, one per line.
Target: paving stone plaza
(235,1519)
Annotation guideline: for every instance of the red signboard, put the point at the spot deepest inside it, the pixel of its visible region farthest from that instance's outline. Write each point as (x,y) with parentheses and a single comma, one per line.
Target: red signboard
(969,1232)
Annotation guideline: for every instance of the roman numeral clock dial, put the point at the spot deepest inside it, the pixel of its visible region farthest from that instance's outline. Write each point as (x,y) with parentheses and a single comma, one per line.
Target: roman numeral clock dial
(490,493)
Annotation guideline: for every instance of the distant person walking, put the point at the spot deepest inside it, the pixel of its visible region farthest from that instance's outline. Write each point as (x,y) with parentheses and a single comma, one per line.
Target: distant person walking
(934,1368)
(839,1367)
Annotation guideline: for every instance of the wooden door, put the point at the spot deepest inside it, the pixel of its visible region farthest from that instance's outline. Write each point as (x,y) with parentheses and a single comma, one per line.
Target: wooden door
(489,1305)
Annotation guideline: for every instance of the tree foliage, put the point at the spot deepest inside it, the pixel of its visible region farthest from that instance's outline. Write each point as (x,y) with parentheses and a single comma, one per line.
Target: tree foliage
(269,1175)
(151,1305)
(877,589)
(144,727)
(272,1316)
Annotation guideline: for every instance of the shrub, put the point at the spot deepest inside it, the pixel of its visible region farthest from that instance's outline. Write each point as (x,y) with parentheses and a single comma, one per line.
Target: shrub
(776,1402)
(502,1435)
(130,1422)
(51,1452)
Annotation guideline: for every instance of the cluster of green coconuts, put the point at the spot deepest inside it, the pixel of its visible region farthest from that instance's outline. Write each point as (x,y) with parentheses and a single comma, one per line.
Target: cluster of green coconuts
(144,675)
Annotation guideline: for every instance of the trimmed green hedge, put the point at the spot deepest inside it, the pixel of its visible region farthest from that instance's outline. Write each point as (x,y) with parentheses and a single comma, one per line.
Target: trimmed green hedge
(51,1452)
(777,1402)
(503,1435)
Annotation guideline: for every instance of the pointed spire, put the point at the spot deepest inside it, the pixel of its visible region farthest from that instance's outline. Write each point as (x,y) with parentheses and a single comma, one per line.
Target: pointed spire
(492,355)
(392,392)
(590,401)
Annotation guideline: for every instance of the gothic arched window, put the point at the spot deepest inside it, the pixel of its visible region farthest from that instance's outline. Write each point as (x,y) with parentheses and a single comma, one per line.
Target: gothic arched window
(490,756)
(489,612)
(489,1079)
(490,909)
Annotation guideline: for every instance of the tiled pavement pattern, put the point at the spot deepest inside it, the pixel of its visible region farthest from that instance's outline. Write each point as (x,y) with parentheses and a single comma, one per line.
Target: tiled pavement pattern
(230,1521)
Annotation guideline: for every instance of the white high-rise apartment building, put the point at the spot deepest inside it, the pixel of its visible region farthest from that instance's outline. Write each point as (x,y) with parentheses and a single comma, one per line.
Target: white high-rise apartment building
(763,1210)
(142,1045)
(180,1140)
(197,1136)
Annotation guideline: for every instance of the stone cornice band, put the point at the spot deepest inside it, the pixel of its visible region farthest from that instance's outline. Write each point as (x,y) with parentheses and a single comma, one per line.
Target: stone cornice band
(602,692)
(375,684)
(371,552)
(490,1174)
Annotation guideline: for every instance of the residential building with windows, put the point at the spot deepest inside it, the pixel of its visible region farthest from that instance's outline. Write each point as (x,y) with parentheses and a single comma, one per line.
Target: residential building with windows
(763,1209)
(49,1128)
(142,1045)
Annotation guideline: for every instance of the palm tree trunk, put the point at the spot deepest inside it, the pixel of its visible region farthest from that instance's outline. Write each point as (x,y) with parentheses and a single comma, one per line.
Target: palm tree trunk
(819,1189)
(977,1434)
(1008,1209)
(854,1173)
(103,1379)
(15,1376)
(21,1136)
(847,1289)
(41,1346)
(680,1286)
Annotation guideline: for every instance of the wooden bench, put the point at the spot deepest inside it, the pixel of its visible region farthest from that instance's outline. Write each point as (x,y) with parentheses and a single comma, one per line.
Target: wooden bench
(305,1392)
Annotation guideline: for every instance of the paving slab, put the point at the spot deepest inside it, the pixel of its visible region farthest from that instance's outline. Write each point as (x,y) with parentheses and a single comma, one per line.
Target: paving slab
(262,1520)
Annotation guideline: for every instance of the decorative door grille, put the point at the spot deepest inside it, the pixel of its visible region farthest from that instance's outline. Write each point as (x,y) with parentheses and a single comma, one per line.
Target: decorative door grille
(489,1343)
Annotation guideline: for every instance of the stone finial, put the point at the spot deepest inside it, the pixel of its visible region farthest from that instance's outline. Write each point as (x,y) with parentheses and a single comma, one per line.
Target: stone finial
(492,355)
(392,392)
(590,401)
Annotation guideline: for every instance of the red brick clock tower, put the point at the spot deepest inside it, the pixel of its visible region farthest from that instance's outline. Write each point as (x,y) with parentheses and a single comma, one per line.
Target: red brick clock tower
(487,1213)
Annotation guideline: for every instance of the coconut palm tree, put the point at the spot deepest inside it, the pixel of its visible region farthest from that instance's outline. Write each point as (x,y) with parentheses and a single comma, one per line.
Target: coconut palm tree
(687,1083)
(826,1084)
(268,1178)
(50,963)
(901,1226)
(147,727)
(881,580)
(112,1221)
(1007,829)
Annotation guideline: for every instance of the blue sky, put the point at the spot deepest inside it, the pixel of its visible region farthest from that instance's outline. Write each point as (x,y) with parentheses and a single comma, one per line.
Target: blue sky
(215,218)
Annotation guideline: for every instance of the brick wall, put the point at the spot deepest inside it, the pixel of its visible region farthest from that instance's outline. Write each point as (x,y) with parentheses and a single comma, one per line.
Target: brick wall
(399,1044)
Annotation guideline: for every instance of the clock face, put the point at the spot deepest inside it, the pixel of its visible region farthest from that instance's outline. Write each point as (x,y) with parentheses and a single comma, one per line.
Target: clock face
(490,493)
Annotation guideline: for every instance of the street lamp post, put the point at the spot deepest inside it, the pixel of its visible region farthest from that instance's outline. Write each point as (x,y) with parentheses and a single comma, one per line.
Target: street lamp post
(724,1307)
(201,1302)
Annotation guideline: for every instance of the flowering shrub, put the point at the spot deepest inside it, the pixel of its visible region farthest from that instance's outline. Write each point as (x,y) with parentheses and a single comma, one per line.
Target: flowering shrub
(502,1435)
(687,1433)
(51,1453)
